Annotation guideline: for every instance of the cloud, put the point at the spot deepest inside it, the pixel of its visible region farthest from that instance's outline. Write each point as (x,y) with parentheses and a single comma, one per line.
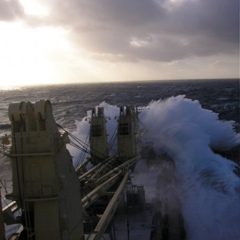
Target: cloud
(10,10)
(138,30)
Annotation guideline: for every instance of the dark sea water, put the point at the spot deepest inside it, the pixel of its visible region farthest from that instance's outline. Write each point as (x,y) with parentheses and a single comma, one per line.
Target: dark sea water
(70,102)
(187,118)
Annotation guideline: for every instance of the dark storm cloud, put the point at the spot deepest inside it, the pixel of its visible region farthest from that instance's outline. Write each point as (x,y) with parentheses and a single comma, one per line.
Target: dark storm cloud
(157,30)
(121,13)
(10,9)
(213,18)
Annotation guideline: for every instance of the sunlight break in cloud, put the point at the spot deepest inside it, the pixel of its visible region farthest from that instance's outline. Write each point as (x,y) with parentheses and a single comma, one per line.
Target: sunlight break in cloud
(34,8)
(107,39)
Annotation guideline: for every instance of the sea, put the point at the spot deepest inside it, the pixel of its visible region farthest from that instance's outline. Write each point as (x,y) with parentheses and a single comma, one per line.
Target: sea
(195,121)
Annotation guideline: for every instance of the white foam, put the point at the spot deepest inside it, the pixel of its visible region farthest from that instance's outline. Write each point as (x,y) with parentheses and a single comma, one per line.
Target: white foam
(208,188)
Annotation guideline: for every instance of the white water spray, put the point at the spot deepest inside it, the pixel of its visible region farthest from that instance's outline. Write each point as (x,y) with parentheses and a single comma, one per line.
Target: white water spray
(208,186)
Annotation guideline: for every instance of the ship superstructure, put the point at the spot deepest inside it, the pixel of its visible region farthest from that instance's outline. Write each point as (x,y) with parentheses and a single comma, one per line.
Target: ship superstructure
(58,201)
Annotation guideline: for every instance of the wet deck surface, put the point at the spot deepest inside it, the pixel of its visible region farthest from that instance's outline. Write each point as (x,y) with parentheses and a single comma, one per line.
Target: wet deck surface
(134,223)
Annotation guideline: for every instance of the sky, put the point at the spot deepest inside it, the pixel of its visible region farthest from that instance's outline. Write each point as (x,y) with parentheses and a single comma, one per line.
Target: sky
(75,41)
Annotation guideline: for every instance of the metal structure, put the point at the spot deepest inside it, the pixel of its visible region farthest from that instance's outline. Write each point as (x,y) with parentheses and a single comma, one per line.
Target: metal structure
(45,185)
(127,133)
(62,203)
(98,136)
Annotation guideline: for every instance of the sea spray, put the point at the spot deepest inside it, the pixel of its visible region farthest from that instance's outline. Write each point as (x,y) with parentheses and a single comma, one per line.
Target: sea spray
(208,186)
